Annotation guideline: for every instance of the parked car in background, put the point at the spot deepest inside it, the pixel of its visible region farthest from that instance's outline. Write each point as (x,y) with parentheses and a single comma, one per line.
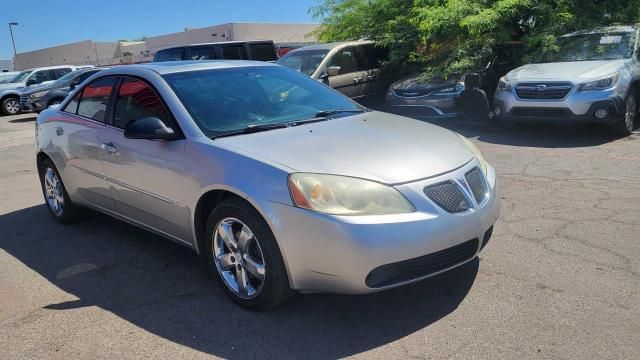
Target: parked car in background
(26,80)
(438,97)
(349,201)
(7,76)
(593,77)
(41,97)
(354,68)
(260,50)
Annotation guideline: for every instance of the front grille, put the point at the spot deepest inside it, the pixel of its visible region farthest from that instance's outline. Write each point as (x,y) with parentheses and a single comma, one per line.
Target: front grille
(476,182)
(543,91)
(422,266)
(24,98)
(448,196)
(540,112)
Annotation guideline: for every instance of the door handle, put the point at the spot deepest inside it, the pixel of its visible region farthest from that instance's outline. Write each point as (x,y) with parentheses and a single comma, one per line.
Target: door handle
(108,147)
(357,79)
(59,131)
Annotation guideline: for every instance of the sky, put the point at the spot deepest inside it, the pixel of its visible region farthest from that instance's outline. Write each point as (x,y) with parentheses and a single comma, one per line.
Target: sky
(44,23)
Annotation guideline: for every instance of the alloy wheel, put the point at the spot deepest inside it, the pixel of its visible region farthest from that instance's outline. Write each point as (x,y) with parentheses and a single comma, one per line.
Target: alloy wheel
(238,258)
(12,106)
(54,192)
(630,114)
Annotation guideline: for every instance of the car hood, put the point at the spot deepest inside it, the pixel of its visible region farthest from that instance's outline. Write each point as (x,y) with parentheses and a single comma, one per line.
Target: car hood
(12,86)
(568,71)
(35,88)
(417,83)
(377,146)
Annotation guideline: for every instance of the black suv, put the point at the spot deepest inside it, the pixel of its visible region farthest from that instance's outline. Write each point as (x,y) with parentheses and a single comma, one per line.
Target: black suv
(233,50)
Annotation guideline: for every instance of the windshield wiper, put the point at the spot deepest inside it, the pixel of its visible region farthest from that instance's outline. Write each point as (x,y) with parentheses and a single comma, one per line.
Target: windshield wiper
(325,113)
(253,128)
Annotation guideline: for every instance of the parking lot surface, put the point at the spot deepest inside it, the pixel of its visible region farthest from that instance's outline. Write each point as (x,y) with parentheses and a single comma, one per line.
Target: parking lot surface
(559,279)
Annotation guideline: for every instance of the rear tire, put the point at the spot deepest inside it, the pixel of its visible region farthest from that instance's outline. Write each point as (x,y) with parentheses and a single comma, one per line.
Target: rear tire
(55,194)
(236,265)
(11,106)
(626,124)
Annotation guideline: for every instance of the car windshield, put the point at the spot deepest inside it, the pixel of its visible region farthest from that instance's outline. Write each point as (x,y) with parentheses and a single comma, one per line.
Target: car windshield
(304,61)
(21,76)
(593,47)
(228,100)
(67,78)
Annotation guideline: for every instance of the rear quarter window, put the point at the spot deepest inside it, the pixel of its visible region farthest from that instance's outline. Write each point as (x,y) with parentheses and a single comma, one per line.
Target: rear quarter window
(263,52)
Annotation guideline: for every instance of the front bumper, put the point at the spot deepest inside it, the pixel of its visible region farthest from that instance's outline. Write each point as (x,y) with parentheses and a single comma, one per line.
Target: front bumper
(28,104)
(427,106)
(576,107)
(326,253)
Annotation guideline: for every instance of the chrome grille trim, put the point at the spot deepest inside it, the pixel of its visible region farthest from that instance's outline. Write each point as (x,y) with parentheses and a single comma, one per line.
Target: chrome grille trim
(543,90)
(449,196)
(477,184)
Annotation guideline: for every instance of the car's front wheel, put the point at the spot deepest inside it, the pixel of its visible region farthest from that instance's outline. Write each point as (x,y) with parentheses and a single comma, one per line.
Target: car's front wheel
(11,106)
(626,125)
(244,255)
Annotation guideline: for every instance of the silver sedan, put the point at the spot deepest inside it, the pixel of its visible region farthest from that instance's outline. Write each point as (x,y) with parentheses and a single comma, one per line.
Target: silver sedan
(279,182)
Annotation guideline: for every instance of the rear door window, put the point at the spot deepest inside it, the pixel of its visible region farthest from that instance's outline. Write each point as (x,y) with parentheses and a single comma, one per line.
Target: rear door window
(370,57)
(173,54)
(263,52)
(203,53)
(95,98)
(233,52)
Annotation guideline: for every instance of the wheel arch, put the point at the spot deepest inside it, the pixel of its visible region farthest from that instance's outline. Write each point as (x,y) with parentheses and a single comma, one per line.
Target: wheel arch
(207,202)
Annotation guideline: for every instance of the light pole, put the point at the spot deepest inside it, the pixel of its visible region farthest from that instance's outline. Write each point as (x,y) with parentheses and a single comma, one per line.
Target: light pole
(15,54)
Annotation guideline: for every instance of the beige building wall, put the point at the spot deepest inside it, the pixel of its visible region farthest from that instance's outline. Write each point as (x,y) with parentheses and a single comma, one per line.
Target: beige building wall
(279,33)
(78,53)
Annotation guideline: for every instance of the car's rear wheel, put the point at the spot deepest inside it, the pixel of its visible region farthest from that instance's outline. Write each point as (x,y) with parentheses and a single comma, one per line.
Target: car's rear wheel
(11,106)
(626,124)
(243,254)
(55,194)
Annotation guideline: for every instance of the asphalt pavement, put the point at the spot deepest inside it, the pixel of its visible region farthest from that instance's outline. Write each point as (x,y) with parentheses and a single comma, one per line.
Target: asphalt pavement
(559,279)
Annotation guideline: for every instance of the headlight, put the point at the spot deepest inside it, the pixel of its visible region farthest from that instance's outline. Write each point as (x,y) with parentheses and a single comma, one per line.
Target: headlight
(390,92)
(451,90)
(341,195)
(476,152)
(600,84)
(38,94)
(504,84)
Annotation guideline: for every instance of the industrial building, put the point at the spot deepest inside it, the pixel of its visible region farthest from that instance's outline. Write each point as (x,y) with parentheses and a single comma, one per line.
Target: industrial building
(124,52)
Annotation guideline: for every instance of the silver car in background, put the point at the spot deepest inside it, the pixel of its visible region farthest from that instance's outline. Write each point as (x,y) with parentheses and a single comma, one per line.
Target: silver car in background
(280,183)
(594,77)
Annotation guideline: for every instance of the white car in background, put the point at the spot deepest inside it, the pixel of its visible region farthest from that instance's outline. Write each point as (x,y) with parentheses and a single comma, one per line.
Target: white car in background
(27,80)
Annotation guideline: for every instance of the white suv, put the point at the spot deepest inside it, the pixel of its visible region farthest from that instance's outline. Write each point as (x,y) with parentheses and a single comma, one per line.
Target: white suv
(594,77)
(29,79)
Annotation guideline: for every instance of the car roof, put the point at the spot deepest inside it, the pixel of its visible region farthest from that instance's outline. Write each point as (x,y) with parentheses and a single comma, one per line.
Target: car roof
(332,45)
(168,67)
(218,43)
(50,67)
(605,30)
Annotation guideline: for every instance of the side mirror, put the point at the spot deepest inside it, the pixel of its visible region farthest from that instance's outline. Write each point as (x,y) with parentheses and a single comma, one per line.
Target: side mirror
(150,128)
(73,84)
(31,82)
(333,70)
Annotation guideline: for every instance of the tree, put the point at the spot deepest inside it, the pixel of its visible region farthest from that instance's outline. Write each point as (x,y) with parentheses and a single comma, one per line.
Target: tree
(444,37)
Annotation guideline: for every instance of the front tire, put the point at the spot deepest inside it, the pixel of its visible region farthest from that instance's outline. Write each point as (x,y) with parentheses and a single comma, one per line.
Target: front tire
(626,125)
(11,106)
(55,194)
(244,256)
